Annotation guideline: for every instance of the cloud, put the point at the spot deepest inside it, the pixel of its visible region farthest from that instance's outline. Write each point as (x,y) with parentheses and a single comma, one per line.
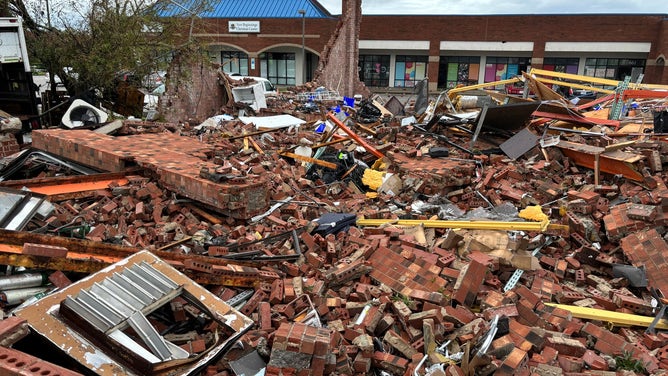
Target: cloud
(445,7)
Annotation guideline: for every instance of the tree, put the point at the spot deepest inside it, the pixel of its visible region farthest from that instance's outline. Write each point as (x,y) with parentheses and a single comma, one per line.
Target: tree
(92,45)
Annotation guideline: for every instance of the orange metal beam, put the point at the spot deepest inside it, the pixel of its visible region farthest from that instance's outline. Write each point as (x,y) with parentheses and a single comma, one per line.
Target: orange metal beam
(354,136)
(644,94)
(595,102)
(612,163)
(67,187)
(578,119)
(59,189)
(86,256)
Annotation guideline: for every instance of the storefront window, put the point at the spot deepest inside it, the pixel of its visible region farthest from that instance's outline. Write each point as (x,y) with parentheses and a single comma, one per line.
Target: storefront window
(278,67)
(374,70)
(561,64)
(614,69)
(503,68)
(458,70)
(409,70)
(234,62)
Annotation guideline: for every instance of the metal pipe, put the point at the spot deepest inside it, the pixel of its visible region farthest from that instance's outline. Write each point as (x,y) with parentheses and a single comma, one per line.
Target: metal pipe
(14,297)
(568,130)
(303,13)
(23,280)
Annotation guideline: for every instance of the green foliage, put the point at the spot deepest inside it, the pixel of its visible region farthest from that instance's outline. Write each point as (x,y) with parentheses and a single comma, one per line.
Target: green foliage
(94,45)
(628,363)
(402,298)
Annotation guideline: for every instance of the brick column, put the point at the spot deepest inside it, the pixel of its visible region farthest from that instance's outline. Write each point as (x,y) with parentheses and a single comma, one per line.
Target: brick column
(337,69)
(432,67)
(538,55)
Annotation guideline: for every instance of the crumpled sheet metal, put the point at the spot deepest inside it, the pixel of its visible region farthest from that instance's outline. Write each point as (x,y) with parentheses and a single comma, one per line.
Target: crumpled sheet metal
(43,317)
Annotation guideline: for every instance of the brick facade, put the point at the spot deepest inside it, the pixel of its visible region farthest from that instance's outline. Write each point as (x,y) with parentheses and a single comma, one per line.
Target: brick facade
(434,29)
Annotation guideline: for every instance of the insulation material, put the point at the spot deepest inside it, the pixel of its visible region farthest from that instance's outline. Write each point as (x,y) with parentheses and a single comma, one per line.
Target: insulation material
(533,213)
(373,179)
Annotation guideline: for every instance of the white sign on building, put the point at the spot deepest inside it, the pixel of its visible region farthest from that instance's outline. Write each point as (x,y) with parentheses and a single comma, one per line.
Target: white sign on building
(244,26)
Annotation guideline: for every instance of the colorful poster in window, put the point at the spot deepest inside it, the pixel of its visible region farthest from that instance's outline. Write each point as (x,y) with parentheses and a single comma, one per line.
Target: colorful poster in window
(410,71)
(501,72)
(490,72)
(474,72)
(399,73)
(513,70)
(463,73)
(420,71)
(452,71)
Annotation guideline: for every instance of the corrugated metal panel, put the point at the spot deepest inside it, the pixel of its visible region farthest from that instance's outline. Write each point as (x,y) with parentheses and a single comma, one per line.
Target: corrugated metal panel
(248,9)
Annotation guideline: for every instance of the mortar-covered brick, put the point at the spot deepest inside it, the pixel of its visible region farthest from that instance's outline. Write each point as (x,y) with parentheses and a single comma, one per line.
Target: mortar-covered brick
(570,364)
(606,341)
(514,364)
(399,344)
(566,346)
(177,160)
(390,363)
(8,145)
(641,212)
(470,282)
(618,224)
(590,197)
(12,329)
(595,361)
(654,341)
(403,276)
(649,250)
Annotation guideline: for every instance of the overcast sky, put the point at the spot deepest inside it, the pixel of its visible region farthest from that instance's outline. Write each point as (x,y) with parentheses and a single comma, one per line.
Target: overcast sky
(503,7)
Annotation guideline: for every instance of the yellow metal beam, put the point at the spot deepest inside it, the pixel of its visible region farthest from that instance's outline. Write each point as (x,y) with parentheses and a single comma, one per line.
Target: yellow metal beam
(483,85)
(617,318)
(574,85)
(593,80)
(574,77)
(475,225)
(649,86)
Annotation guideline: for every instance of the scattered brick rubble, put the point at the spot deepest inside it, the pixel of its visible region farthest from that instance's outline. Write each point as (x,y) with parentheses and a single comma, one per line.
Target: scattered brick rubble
(388,300)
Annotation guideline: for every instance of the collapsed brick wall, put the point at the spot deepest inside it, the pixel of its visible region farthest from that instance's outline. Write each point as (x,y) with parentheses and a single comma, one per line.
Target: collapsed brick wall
(192,90)
(337,69)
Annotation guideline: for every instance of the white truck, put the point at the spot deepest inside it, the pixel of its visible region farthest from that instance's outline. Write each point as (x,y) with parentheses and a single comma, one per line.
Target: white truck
(17,89)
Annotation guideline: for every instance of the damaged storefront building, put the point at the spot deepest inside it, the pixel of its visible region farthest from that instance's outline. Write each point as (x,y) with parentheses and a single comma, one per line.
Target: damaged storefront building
(493,234)
(287,44)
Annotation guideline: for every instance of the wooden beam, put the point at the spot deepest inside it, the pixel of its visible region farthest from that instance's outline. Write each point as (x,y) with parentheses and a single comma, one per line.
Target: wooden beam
(302,158)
